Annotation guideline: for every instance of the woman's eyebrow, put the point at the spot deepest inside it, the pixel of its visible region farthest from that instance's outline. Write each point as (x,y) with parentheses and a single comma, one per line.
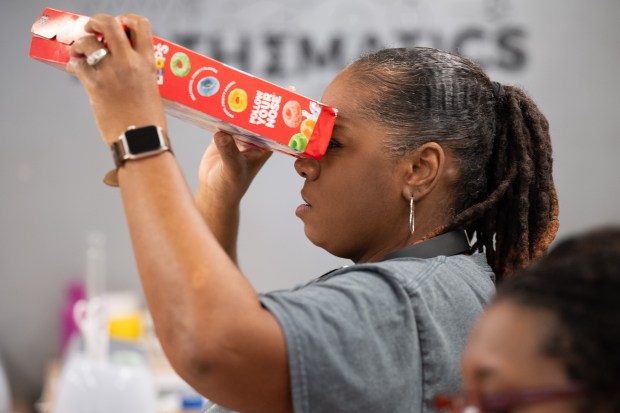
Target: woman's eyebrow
(484,373)
(342,122)
(339,127)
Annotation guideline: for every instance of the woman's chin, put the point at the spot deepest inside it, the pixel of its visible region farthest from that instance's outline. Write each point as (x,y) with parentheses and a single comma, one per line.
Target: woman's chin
(325,244)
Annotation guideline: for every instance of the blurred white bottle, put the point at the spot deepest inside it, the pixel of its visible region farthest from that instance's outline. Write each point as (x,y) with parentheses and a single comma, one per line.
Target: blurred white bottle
(5,394)
(94,318)
(94,380)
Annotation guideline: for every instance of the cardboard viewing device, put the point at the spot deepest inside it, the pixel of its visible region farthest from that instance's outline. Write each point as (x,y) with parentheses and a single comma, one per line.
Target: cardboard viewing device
(207,93)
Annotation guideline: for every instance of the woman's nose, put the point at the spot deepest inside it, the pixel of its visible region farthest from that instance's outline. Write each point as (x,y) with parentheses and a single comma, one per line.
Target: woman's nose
(307,168)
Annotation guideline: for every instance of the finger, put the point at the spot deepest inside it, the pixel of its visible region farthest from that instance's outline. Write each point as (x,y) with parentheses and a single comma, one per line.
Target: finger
(291,88)
(260,158)
(245,146)
(79,50)
(84,46)
(252,152)
(235,153)
(112,31)
(77,66)
(227,147)
(140,33)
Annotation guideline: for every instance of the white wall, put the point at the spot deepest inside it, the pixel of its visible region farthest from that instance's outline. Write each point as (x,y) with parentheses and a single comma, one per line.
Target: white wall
(52,162)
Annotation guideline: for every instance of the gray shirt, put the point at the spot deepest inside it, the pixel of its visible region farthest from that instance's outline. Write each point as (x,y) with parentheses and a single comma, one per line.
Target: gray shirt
(380,337)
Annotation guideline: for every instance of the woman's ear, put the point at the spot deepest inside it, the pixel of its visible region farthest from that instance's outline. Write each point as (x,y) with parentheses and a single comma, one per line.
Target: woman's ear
(424,168)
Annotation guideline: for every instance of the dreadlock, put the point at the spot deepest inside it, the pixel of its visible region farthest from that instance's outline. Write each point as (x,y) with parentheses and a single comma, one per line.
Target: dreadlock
(578,283)
(505,197)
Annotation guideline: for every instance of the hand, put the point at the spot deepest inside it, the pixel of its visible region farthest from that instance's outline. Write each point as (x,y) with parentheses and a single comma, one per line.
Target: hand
(228,168)
(122,87)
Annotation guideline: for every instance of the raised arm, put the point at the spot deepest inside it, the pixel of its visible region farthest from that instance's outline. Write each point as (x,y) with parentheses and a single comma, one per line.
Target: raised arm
(207,316)
(226,171)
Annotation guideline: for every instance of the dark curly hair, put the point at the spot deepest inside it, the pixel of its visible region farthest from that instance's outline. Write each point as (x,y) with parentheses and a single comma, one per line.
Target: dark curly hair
(578,283)
(505,197)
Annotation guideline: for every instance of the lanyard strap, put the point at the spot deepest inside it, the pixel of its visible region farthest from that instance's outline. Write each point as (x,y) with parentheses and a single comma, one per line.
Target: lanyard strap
(451,243)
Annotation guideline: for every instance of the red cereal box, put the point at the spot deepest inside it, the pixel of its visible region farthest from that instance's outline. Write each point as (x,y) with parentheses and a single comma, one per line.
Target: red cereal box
(208,93)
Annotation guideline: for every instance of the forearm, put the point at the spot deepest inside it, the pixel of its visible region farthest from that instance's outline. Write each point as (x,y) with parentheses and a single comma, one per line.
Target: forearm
(207,315)
(226,171)
(190,283)
(222,218)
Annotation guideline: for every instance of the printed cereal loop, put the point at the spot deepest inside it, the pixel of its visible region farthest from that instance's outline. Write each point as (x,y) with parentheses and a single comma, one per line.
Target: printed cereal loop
(160,63)
(238,100)
(291,114)
(315,109)
(307,126)
(180,65)
(298,141)
(208,86)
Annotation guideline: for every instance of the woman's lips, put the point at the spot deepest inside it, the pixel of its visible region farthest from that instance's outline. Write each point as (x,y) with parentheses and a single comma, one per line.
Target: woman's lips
(302,210)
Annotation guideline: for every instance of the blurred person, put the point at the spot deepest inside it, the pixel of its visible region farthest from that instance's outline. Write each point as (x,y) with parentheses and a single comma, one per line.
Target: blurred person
(549,340)
(426,148)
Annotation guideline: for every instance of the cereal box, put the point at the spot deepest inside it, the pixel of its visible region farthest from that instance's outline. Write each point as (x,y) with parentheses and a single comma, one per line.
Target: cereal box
(208,93)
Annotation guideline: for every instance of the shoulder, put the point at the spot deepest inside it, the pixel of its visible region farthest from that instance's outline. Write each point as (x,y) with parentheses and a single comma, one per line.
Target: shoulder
(415,274)
(393,282)
(402,322)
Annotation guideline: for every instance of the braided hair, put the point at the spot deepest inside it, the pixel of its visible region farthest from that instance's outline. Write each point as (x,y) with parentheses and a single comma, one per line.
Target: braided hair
(505,197)
(578,283)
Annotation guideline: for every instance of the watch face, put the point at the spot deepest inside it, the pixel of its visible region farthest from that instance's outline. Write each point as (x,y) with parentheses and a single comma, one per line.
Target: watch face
(143,140)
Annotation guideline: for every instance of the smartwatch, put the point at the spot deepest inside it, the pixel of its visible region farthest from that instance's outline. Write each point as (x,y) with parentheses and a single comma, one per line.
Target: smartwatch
(136,143)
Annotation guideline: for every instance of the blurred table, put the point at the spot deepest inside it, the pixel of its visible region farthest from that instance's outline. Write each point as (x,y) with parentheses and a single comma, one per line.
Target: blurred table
(46,403)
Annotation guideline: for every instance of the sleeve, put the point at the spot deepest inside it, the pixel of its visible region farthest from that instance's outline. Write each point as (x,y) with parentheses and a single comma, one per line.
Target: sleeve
(352,344)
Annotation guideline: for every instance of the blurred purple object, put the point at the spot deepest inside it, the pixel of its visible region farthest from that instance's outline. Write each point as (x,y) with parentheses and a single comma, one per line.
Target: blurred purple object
(74,292)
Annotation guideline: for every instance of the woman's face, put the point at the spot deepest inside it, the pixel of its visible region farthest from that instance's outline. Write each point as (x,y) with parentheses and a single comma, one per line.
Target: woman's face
(353,197)
(505,354)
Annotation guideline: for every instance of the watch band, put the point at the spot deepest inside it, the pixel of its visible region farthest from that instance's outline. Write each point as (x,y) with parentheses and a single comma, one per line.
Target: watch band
(136,143)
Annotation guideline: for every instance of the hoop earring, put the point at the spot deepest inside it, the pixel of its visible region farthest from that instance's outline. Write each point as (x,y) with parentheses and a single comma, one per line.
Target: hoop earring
(411,216)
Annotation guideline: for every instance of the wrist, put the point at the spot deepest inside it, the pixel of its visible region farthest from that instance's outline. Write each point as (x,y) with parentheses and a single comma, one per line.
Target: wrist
(114,124)
(134,144)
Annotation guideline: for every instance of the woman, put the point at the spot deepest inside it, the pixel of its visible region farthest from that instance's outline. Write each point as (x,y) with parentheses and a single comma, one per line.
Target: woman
(548,342)
(424,147)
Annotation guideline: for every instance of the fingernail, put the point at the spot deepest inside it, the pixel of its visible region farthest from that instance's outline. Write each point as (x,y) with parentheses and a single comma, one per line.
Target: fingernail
(72,65)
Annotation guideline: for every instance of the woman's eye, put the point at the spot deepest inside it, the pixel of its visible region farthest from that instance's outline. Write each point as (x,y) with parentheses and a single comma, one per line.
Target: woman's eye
(333,144)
